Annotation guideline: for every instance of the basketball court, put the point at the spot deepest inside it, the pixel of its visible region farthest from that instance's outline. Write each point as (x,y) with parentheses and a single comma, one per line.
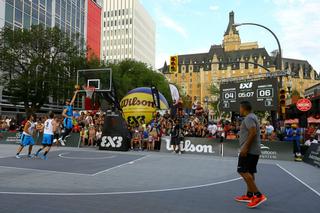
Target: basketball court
(88,180)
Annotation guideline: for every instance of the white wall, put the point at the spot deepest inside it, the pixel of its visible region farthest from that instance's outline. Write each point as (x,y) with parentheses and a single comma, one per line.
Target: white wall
(2,13)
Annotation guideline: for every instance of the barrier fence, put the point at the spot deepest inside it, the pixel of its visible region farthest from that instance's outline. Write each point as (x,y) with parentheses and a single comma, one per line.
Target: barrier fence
(14,138)
(229,148)
(202,146)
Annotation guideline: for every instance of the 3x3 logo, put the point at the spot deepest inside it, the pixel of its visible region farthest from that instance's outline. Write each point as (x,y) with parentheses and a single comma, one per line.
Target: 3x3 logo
(246,85)
(111,141)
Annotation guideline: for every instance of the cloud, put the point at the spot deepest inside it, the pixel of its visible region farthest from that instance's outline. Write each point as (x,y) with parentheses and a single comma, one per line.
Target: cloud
(161,58)
(214,7)
(300,25)
(173,25)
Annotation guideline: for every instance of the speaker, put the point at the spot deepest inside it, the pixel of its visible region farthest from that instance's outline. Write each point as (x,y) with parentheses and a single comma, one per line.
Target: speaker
(115,135)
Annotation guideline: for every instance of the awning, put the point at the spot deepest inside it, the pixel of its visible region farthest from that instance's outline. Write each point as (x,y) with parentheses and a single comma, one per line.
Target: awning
(292,121)
(312,120)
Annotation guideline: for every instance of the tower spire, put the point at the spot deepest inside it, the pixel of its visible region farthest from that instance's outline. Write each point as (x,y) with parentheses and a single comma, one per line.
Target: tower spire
(231,40)
(231,29)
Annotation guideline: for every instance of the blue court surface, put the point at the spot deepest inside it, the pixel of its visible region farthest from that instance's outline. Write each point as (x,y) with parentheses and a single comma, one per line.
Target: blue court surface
(88,180)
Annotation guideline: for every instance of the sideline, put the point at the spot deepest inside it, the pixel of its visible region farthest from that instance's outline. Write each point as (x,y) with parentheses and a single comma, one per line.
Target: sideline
(299,180)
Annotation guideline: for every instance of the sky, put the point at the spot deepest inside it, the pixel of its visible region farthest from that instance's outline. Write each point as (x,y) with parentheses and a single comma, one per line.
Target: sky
(192,26)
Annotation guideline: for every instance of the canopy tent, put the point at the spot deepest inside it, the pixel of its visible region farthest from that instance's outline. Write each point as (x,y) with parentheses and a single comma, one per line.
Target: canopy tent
(312,120)
(292,121)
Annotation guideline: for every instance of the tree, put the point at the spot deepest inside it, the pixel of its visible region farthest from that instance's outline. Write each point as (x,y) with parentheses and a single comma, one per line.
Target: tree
(130,74)
(39,63)
(215,92)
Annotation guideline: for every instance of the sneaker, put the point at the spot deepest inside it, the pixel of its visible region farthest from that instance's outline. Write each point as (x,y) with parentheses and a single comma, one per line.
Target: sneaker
(36,154)
(18,157)
(55,141)
(30,156)
(43,157)
(180,152)
(61,142)
(256,201)
(243,199)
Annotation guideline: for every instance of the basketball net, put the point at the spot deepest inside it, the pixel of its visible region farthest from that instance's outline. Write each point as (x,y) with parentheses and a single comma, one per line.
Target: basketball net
(89,92)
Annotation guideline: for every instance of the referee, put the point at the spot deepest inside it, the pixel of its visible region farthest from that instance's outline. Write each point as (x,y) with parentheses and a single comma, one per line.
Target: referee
(249,155)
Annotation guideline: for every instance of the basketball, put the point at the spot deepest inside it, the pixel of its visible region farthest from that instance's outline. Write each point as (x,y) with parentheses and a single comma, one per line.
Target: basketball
(138,106)
(77,87)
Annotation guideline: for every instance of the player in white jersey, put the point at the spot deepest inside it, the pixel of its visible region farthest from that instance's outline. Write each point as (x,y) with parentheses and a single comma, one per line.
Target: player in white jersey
(49,128)
(26,137)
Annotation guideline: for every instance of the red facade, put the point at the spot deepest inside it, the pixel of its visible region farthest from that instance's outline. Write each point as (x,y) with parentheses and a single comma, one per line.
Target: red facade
(93,30)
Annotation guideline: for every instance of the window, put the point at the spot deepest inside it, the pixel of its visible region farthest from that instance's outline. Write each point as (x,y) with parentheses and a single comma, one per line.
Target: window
(26,21)
(42,16)
(246,65)
(34,21)
(18,16)
(49,6)
(35,13)
(9,13)
(27,8)
(18,4)
(10,2)
(48,20)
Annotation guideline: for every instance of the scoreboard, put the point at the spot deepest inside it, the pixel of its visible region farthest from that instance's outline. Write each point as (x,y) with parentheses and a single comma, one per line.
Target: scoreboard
(263,95)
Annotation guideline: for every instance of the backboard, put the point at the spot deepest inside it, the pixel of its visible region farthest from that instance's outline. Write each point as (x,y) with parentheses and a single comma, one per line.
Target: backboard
(101,79)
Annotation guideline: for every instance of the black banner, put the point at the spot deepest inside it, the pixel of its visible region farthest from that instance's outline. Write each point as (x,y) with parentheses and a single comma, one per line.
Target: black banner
(156,97)
(263,95)
(312,156)
(115,135)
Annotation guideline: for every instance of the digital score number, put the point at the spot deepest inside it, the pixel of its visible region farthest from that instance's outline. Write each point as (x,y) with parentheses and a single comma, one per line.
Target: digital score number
(265,93)
(228,96)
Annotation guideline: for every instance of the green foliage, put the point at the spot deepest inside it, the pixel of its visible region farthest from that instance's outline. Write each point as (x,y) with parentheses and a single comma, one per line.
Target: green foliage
(215,91)
(37,64)
(130,74)
(295,93)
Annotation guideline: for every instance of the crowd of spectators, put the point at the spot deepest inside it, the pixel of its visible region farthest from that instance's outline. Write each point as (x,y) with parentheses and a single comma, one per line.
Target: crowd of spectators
(191,123)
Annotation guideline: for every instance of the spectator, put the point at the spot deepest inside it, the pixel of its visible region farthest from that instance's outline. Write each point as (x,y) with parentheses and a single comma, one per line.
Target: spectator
(136,138)
(98,136)
(269,130)
(317,133)
(310,141)
(92,135)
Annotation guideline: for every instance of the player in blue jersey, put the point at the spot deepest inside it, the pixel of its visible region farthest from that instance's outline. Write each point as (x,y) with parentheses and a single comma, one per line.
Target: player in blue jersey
(67,121)
(26,137)
(49,128)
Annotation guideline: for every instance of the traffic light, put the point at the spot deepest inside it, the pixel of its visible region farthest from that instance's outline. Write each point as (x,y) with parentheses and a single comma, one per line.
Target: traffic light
(174,64)
(282,100)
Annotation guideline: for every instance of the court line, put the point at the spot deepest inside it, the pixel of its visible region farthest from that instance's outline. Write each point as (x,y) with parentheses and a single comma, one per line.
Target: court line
(43,170)
(124,193)
(299,180)
(84,158)
(121,165)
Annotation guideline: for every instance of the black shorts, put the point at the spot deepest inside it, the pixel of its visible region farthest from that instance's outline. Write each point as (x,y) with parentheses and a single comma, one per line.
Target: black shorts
(175,140)
(248,164)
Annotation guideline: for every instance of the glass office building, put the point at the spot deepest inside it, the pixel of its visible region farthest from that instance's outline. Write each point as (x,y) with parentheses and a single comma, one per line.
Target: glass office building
(68,15)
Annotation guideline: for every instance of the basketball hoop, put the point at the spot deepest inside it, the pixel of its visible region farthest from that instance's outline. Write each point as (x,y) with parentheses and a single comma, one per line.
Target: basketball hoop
(89,91)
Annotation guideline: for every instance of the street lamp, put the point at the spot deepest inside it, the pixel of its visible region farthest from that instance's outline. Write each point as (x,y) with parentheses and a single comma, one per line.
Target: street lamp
(279,58)
(289,86)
